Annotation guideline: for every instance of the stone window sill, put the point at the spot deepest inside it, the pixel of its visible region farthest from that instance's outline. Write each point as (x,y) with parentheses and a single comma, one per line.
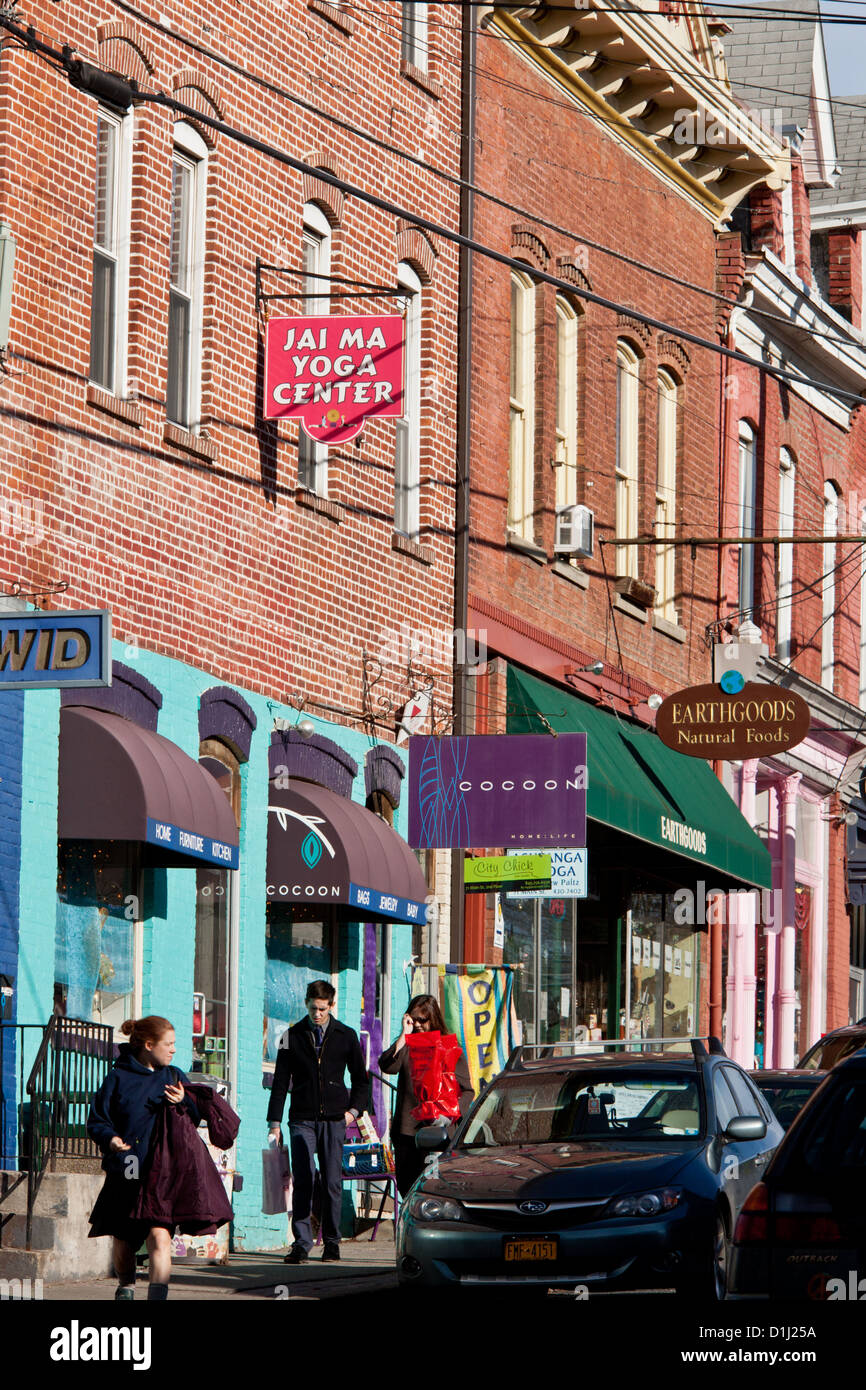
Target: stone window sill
(672,630)
(572,574)
(421,79)
(634,610)
(335,14)
(128,411)
(197,444)
(527,548)
(323,505)
(423,553)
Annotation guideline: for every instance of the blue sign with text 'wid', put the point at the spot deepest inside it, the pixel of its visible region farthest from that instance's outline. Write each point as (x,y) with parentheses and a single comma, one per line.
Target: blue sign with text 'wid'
(55,649)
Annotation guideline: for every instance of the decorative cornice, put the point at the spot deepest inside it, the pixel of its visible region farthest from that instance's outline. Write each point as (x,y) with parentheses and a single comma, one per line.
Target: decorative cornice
(525,239)
(653,95)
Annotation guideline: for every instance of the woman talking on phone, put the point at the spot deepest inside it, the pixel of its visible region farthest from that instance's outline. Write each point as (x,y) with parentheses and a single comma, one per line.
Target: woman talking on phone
(422,1016)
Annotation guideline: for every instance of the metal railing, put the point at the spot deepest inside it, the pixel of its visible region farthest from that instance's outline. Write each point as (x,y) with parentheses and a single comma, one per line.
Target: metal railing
(13,1112)
(72,1061)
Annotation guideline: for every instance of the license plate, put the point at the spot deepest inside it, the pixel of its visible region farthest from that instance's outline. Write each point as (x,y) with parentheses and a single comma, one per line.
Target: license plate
(531,1250)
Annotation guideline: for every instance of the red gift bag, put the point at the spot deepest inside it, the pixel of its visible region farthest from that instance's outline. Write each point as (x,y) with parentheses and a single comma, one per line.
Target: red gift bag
(432,1060)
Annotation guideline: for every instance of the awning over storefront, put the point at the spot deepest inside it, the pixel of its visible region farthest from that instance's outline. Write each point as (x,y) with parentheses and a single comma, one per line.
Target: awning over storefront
(325,849)
(642,788)
(121,782)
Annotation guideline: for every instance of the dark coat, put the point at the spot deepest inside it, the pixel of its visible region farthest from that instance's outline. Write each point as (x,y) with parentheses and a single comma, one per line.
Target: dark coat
(404,1121)
(317,1082)
(181,1186)
(128,1103)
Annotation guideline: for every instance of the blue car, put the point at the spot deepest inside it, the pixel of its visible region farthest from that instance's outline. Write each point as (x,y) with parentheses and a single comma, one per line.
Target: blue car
(602,1171)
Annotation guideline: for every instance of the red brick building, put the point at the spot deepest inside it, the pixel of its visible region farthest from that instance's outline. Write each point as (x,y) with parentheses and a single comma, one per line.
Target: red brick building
(617,152)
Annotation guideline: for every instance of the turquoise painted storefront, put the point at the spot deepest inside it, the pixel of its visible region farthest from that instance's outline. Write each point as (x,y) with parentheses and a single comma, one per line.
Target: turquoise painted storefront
(169,906)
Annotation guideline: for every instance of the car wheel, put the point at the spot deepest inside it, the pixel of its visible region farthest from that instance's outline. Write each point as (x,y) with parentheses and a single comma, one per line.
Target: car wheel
(721,1250)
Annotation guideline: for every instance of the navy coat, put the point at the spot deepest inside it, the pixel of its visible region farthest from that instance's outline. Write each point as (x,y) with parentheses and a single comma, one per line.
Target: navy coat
(127,1103)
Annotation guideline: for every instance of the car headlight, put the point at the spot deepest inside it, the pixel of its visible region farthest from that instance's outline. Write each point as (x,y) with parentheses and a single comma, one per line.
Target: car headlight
(645,1203)
(426,1208)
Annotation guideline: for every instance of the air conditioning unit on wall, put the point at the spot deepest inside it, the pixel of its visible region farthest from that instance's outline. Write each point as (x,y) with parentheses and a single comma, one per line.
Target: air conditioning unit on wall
(574,531)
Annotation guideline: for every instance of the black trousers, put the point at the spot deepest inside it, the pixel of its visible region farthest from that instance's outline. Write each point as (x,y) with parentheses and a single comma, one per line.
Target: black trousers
(409,1161)
(325,1138)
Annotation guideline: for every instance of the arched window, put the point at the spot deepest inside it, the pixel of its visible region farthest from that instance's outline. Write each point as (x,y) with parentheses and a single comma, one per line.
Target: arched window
(627,483)
(785,578)
(407,463)
(666,495)
(316,262)
(828,606)
(521,472)
(566,403)
(186,290)
(748,454)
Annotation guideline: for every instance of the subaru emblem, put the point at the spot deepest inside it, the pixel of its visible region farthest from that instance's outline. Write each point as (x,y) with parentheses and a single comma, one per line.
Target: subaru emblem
(532,1208)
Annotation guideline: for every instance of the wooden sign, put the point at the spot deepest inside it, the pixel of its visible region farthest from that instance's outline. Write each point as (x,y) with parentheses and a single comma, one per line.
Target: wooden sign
(704,722)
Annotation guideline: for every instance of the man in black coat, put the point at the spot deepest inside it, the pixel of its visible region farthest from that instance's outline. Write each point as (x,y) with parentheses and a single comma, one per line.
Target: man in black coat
(313,1057)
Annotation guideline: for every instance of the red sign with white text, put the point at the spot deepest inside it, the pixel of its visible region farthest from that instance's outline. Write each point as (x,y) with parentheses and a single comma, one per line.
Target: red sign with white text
(334,372)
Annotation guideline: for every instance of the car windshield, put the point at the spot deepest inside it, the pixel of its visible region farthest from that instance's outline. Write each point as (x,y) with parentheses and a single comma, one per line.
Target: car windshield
(622,1105)
(826,1053)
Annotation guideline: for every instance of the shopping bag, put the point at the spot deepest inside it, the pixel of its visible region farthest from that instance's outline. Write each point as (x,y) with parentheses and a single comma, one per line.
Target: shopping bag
(276,1180)
(432,1059)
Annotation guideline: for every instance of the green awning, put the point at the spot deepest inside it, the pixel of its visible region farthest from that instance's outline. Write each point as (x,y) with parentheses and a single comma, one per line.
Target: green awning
(643,788)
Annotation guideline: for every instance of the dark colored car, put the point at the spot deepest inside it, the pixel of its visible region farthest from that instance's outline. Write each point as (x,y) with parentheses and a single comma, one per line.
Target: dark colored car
(606,1171)
(802,1231)
(830,1049)
(787,1091)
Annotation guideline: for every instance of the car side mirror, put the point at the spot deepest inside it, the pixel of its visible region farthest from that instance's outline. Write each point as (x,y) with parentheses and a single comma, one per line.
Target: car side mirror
(746,1127)
(431,1137)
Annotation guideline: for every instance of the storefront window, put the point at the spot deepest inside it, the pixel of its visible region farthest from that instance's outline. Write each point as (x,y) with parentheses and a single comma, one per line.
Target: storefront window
(210,1015)
(519,950)
(298,949)
(556,970)
(98,887)
(664,970)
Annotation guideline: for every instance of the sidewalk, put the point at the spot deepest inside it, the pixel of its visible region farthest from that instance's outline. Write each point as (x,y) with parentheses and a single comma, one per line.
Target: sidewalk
(365,1267)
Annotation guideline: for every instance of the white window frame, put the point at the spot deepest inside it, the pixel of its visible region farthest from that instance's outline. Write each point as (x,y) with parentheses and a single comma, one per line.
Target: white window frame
(414,41)
(828,587)
(627,457)
(117,253)
(785,579)
(315,242)
(191,152)
(407,449)
(521,461)
(746,507)
(788,250)
(666,494)
(566,402)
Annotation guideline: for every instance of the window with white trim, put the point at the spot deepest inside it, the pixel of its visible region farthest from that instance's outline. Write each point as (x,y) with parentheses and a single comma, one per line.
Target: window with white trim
(186,290)
(747,505)
(666,495)
(626,517)
(785,577)
(521,463)
(414,39)
(110,293)
(316,263)
(566,403)
(407,460)
(828,591)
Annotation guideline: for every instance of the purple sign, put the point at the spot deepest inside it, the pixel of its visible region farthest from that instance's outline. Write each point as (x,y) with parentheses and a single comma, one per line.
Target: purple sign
(492,790)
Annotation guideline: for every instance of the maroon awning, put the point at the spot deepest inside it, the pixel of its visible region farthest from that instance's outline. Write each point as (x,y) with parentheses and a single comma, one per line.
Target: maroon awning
(327,850)
(121,782)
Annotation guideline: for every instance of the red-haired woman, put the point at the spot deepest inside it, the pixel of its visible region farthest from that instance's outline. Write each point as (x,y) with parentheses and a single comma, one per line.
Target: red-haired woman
(422,1016)
(123,1115)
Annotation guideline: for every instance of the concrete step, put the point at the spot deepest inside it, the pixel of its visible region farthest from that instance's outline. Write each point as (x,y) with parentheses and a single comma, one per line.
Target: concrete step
(52,1199)
(22,1264)
(42,1233)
